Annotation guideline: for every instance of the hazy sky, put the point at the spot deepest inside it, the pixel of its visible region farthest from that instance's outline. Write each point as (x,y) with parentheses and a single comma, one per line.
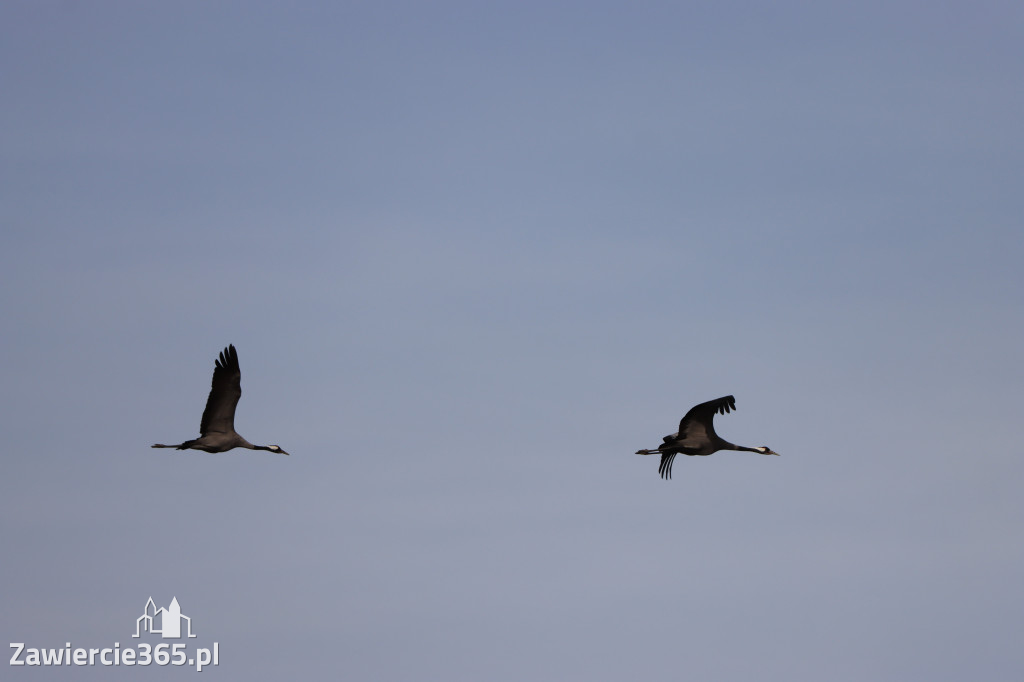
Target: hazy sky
(473,256)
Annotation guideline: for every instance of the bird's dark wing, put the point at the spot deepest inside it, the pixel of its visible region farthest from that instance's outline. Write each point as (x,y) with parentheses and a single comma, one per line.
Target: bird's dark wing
(219,415)
(696,427)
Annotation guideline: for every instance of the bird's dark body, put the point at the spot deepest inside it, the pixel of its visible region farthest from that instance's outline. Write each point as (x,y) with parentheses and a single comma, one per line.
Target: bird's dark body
(213,443)
(696,436)
(218,423)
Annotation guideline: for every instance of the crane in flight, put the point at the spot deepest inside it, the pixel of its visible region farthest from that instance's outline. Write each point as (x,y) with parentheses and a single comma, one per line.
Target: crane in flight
(696,436)
(217,429)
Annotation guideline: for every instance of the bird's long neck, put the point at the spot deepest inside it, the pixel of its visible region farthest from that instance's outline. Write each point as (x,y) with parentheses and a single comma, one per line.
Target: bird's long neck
(741,448)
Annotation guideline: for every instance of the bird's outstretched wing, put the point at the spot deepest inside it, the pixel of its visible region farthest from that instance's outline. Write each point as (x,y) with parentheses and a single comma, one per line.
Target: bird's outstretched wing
(696,427)
(219,415)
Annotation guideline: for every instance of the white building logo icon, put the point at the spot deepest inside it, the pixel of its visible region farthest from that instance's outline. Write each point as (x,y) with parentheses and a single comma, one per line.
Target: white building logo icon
(169,620)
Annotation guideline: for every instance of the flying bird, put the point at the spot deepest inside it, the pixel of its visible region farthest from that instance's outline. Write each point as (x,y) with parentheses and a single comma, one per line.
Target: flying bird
(696,436)
(217,429)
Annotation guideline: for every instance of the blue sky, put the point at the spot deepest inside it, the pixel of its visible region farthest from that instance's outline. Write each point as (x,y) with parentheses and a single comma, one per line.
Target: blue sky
(473,256)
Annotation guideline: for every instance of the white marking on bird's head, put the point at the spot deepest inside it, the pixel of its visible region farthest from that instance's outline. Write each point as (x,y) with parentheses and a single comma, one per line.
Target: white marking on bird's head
(765,450)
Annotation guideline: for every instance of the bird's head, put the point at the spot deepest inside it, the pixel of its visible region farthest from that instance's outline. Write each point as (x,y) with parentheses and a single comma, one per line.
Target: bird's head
(276,448)
(765,450)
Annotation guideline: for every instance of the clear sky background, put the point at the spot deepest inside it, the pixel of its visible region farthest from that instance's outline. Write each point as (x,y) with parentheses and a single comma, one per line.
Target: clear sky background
(473,256)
